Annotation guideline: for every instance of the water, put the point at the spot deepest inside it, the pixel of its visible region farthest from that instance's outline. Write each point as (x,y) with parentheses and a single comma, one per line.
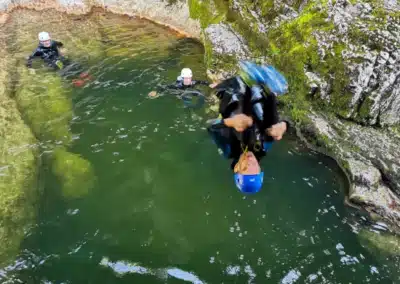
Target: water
(164,208)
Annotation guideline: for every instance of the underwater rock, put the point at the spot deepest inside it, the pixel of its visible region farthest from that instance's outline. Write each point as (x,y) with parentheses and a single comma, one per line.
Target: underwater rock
(74,173)
(44,102)
(380,243)
(386,248)
(18,168)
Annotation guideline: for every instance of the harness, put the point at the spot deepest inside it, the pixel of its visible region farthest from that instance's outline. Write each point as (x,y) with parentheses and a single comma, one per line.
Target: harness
(243,99)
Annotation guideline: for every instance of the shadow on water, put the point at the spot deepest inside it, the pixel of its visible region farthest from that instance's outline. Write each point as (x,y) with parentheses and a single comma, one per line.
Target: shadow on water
(164,207)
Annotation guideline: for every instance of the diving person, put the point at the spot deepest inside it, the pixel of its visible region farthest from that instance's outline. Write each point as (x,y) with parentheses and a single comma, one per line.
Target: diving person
(249,122)
(48,51)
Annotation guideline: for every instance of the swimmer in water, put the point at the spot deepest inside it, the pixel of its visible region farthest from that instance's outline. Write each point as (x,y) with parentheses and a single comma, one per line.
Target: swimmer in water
(48,51)
(183,82)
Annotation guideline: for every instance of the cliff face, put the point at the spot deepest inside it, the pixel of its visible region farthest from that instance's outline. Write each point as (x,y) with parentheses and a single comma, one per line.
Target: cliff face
(342,60)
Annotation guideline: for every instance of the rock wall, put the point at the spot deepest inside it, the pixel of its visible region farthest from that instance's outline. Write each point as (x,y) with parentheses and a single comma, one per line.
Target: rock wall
(173,13)
(342,60)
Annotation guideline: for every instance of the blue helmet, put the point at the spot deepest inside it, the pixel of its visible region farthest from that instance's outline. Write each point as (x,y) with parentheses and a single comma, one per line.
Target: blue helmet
(249,183)
(265,75)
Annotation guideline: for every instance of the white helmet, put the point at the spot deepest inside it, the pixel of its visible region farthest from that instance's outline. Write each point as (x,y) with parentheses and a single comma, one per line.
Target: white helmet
(43,36)
(186,73)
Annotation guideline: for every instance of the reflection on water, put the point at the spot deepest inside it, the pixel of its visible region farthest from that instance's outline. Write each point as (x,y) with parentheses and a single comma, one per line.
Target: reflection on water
(122,267)
(164,207)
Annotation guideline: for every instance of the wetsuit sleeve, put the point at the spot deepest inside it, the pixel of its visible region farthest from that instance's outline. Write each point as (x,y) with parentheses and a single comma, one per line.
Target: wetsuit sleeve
(271,115)
(205,83)
(36,53)
(221,135)
(176,86)
(58,43)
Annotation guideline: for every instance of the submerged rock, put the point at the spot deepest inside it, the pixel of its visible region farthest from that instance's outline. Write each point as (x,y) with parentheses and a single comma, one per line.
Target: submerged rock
(44,97)
(386,248)
(43,100)
(74,173)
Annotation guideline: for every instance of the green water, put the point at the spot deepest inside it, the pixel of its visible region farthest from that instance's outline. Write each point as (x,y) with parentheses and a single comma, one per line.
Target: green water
(164,208)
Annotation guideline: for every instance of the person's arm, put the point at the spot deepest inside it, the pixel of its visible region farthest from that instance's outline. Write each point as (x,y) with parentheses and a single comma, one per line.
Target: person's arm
(274,126)
(204,83)
(220,135)
(58,43)
(162,88)
(36,53)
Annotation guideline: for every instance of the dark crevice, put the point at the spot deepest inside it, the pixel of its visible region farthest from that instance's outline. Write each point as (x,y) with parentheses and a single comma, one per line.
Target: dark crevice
(386,180)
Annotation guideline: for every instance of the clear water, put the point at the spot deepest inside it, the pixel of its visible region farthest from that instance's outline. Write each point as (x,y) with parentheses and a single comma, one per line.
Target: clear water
(164,208)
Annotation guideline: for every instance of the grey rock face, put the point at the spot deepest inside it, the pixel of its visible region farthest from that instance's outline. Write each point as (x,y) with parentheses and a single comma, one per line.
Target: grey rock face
(225,41)
(372,59)
(371,158)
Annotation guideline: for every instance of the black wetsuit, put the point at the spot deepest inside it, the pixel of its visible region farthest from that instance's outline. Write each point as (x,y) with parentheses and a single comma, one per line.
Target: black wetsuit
(235,98)
(178,85)
(50,54)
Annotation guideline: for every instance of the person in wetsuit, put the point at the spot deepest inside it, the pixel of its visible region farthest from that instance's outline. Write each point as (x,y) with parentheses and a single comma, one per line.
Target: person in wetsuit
(249,122)
(183,82)
(48,51)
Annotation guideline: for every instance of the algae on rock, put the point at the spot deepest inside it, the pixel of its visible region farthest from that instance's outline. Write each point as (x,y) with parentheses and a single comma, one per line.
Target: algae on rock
(44,97)
(18,168)
(43,100)
(74,173)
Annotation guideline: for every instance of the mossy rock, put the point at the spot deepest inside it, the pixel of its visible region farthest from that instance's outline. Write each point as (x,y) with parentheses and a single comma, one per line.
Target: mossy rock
(383,244)
(18,172)
(73,172)
(45,103)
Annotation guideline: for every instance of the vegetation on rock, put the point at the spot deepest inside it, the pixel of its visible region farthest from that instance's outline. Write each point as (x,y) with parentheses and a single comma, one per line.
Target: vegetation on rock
(18,168)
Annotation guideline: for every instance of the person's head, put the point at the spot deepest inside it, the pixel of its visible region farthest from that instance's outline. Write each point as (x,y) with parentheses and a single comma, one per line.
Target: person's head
(247,173)
(187,75)
(44,39)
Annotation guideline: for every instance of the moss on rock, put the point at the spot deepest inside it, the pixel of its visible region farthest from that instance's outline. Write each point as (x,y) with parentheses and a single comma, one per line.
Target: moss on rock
(73,172)
(18,169)
(45,103)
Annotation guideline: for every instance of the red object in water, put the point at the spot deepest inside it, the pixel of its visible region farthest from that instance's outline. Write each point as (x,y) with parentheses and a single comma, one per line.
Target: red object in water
(78,83)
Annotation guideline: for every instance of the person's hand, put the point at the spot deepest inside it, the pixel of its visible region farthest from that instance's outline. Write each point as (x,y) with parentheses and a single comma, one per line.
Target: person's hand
(152,94)
(276,131)
(63,50)
(239,122)
(213,85)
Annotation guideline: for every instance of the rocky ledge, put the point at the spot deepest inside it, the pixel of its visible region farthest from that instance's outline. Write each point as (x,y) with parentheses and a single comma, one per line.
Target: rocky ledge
(172,13)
